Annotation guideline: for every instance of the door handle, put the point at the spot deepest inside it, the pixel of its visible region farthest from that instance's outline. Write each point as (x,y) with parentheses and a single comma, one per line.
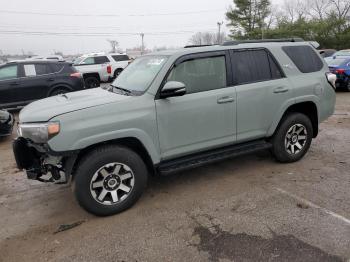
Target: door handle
(280,89)
(50,79)
(225,99)
(14,83)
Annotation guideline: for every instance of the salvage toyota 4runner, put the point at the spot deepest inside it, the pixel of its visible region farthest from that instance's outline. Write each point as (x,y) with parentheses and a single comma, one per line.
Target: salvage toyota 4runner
(174,110)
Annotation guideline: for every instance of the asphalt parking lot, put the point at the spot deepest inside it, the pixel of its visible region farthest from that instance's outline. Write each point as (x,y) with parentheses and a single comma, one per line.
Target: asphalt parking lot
(246,209)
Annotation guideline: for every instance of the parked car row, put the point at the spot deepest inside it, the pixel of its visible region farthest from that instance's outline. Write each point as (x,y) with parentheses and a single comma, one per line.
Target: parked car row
(25,81)
(100,67)
(22,82)
(339,64)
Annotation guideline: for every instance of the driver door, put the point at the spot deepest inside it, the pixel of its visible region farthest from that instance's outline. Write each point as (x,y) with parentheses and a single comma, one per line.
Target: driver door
(203,118)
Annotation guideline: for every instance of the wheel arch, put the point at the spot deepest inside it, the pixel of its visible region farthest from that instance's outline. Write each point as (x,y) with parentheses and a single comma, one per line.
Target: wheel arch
(59,86)
(130,142)
(308,108)
(96,75)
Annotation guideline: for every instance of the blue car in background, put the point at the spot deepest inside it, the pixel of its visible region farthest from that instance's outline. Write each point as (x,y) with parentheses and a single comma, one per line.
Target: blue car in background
(340,66)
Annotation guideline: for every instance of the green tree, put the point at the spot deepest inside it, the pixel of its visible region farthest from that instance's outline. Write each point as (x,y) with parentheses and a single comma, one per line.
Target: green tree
(247,18)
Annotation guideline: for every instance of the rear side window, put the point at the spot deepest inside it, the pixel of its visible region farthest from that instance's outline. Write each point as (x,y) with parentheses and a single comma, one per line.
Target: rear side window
(42,69)
(251,66)
(101,59)
(304,57)
(55,68)
(119,58)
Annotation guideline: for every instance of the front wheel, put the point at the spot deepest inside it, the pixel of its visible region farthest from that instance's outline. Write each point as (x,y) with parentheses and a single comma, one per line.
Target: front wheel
(293,138)
(109,180)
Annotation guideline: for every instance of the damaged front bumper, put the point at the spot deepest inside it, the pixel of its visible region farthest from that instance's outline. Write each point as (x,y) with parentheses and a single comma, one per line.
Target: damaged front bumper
(42,164)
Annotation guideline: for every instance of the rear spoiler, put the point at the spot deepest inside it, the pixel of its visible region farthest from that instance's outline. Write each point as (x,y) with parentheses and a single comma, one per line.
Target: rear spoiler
(314,44)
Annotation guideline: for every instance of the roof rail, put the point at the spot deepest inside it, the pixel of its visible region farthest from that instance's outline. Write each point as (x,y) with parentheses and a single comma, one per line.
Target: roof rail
(191,46)
(237,42)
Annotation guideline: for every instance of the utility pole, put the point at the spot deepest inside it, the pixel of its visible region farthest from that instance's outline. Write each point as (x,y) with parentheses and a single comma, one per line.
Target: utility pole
(219,32)
(142,45)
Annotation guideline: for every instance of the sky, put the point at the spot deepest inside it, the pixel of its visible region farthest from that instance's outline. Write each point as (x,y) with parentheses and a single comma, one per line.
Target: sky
(82,26)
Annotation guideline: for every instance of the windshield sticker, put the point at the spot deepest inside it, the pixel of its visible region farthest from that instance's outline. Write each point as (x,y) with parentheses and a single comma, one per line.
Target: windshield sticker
(156,61)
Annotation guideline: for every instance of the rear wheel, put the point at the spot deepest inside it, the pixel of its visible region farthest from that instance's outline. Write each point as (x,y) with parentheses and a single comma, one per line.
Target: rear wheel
(347,87)
(109,180)
(117,72)
(91,82)
(293,138)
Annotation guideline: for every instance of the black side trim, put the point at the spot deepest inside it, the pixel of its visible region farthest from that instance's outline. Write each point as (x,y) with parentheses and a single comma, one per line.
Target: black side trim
(195,160)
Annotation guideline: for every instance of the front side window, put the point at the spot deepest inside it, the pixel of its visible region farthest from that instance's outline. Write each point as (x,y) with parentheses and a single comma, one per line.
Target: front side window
(88,61)
(202,74)
(8,72)
(138,76)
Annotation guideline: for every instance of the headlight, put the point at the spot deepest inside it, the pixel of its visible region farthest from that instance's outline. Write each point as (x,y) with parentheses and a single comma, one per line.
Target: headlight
(39,132)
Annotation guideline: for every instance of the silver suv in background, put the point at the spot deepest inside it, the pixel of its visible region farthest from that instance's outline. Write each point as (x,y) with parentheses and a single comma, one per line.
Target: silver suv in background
(100,67)
(173,110)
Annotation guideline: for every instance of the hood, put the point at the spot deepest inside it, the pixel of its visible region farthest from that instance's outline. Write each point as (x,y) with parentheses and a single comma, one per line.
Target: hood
(45,109)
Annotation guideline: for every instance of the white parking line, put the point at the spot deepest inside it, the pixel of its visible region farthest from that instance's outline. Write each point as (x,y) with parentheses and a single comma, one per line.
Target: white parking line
(340,217)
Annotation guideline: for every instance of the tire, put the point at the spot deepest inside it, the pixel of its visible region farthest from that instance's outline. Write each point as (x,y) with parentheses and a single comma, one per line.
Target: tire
(117,72)
(347,87)
(91,82)
(113,169)
(289,146)
(58,91)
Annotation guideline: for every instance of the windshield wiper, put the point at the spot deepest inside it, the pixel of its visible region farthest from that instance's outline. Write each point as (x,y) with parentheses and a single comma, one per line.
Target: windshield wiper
(124,91)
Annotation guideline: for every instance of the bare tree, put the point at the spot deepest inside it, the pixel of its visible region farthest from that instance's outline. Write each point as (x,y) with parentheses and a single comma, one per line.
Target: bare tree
(114,45)
(206,38)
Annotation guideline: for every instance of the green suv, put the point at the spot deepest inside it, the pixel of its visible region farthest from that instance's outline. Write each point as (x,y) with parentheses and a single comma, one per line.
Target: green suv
(174,110)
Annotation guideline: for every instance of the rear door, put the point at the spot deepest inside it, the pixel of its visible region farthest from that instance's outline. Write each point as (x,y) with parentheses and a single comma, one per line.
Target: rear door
(36,81)
(261,89)
(9,81)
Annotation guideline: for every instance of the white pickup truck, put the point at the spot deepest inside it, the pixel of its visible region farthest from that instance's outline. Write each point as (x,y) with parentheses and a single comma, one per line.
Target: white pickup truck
(100,67)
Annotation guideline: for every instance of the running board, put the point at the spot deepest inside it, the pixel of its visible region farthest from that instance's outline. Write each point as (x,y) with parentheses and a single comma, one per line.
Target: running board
(199,159)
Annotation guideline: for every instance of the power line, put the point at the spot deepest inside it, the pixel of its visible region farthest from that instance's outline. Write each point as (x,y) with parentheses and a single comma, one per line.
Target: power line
(107,15)
(46,33)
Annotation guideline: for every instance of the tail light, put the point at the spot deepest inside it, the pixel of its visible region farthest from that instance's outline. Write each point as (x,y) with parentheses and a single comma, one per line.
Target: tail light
(77,75)
(109,69)
(331,78)
(340,71)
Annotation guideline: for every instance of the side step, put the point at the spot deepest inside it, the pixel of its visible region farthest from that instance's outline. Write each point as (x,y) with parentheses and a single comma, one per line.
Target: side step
(211,156)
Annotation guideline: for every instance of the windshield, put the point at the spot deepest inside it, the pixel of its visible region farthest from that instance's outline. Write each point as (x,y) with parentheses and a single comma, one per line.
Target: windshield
(78,60)
(138,76)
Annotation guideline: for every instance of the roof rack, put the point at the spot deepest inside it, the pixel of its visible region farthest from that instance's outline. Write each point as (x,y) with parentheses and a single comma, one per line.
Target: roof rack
(191,46)
(237,42)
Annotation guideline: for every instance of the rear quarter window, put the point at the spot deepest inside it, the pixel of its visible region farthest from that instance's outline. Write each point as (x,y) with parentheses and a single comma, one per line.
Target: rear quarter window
(56,68)
(304,58)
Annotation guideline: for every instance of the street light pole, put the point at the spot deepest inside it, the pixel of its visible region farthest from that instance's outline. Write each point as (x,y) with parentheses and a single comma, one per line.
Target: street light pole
(142,46)
(219,31)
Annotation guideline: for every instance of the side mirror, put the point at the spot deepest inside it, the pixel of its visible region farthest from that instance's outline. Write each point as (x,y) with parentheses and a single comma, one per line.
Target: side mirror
(173,88)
